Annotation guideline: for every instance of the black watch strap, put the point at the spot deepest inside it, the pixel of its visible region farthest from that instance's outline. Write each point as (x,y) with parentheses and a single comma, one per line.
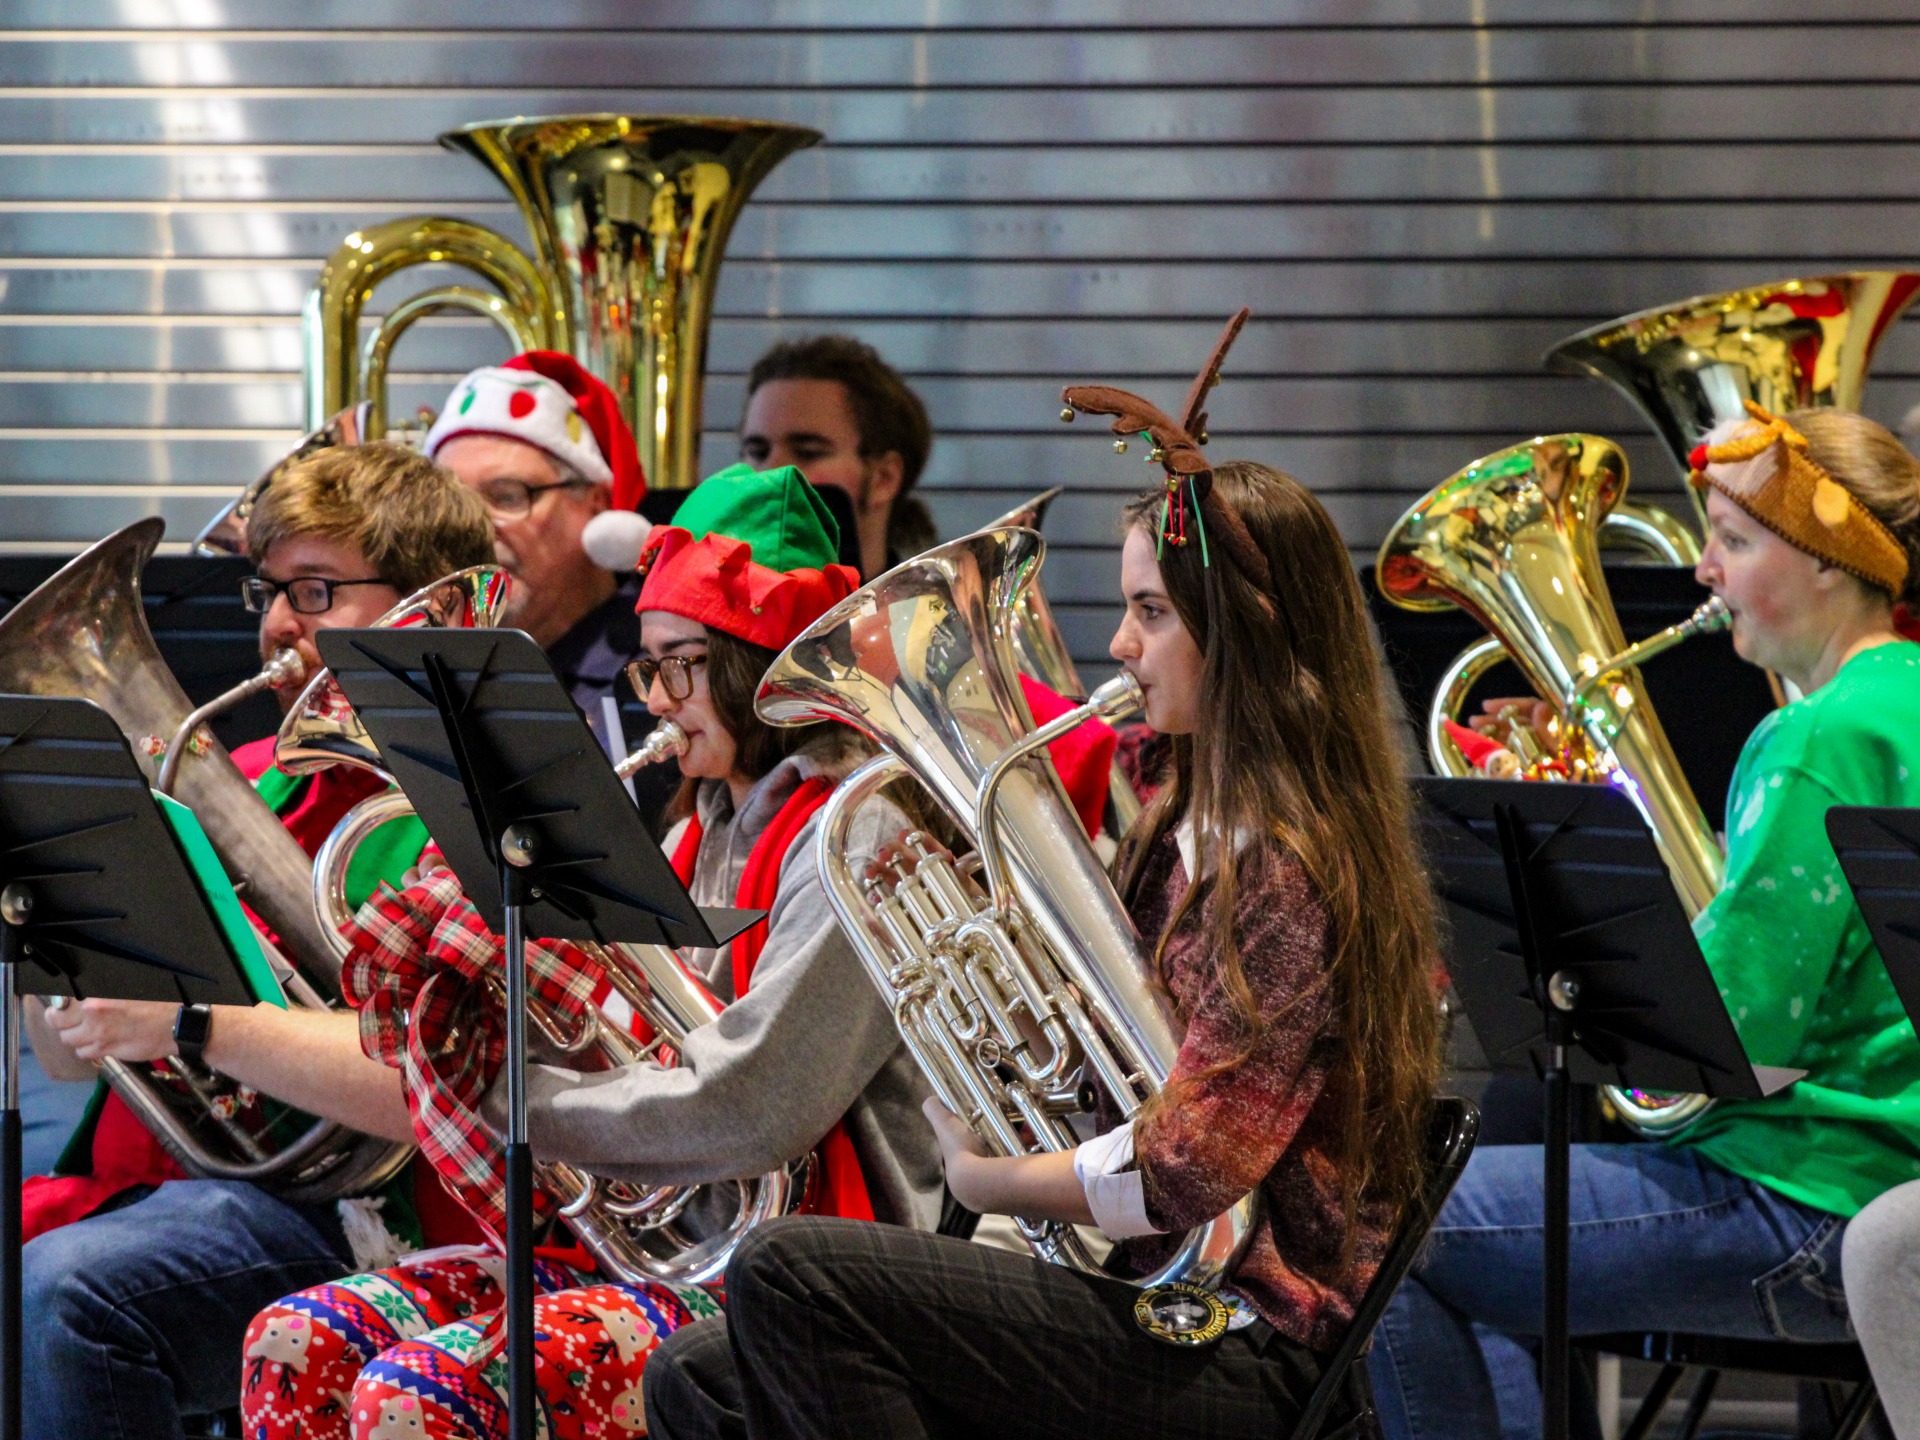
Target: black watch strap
(191,1029)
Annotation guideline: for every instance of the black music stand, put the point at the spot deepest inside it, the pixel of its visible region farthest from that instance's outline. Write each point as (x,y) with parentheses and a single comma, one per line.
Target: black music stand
(97,899)
(1571,953)
(544,839)
(1879,850)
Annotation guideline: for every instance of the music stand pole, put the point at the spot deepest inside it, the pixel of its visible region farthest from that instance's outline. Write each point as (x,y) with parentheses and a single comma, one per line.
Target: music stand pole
(1571,951)
(517,851)
(1556,996)
(500,765)
(16,903)
(1556,1359)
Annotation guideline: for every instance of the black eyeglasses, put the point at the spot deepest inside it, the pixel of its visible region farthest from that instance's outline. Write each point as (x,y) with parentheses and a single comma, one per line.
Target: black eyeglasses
(512,499)
(675,672)
(306,594)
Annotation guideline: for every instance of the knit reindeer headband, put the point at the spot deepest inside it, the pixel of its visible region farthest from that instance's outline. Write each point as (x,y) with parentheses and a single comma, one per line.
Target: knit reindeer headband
(1176,447)
(1764,466)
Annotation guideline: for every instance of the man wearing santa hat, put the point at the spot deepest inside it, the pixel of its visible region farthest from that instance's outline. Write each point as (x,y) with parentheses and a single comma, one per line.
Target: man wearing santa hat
(543,443)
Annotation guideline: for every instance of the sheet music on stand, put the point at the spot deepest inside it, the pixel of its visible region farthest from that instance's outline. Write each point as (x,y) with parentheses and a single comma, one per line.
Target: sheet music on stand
(1573,957)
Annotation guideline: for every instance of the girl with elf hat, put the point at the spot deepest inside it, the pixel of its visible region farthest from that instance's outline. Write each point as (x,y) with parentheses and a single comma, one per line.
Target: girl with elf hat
(1735,1226)
(804,1058)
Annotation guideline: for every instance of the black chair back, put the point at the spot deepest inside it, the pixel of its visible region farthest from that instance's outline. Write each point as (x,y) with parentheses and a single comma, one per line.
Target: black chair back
(1454,1127)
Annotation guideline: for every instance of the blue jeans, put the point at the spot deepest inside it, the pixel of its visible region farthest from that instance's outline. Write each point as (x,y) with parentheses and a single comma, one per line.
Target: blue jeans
(49,1112)
(135,1317)
(1661,1240)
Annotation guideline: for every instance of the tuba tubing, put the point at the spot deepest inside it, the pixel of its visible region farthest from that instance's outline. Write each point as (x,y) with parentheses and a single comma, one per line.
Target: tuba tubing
(628,216)
(84,633)
(631,1230)
(1512,539)
(284,668)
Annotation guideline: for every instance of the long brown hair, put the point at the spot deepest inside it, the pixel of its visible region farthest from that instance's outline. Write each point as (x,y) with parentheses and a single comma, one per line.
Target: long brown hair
(1296,744)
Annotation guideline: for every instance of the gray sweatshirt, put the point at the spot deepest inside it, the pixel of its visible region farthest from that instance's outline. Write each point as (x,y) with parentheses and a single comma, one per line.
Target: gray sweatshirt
(810,1043)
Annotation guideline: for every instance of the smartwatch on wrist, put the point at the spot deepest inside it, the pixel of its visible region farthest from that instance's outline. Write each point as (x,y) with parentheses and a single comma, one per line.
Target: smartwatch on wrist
(191,1029)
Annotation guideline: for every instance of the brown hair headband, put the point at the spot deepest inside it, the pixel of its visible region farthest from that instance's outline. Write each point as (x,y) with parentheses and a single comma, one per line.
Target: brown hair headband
(1176,447)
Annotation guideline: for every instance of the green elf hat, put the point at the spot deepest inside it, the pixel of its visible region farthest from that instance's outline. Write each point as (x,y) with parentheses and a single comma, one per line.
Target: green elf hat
(751,553)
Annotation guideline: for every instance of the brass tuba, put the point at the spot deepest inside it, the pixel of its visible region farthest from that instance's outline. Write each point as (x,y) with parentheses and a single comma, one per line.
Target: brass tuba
(1513,540)
(638,1233)
(84,633)
(629,216)
(1040,976)
(1787,344)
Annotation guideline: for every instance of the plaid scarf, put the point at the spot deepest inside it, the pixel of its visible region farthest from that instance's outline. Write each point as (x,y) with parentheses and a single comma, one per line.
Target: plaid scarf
(418,975)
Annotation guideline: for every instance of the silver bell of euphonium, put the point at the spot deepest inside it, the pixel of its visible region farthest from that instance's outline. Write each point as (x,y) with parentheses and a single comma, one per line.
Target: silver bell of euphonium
(1043,652)
(638,1233)
(1039,977)
(1512,539)
(84,633)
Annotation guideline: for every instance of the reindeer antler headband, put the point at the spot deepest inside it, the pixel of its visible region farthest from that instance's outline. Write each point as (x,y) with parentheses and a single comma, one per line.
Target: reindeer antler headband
(1176,447)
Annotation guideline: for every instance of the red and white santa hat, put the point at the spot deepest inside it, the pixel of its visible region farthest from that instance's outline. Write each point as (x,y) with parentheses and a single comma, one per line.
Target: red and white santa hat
(549,401)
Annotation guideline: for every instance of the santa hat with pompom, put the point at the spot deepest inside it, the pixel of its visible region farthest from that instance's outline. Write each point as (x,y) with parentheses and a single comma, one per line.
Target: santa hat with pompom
(549,401)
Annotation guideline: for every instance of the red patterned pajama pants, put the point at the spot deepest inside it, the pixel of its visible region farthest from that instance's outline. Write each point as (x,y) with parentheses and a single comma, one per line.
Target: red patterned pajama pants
(413,1353)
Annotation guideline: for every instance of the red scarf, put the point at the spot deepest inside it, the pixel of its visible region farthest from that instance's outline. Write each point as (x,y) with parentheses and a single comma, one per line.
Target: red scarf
(839,1187)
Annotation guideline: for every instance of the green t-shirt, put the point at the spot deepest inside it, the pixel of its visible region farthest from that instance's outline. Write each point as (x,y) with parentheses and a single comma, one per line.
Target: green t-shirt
(1795,963)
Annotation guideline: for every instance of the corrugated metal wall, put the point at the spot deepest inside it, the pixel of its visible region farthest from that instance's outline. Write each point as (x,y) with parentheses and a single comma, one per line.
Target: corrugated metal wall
(1415,198)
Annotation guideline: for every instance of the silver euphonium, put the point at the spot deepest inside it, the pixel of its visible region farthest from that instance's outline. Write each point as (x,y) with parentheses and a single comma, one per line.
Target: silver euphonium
(1013,996)
(637,1233)
(84,633)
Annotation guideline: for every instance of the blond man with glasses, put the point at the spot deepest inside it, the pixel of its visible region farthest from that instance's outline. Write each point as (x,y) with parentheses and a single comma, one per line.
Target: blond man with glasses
(139,1283)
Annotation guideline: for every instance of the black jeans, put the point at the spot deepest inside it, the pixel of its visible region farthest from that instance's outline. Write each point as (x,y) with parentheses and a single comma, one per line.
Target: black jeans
(838,1328)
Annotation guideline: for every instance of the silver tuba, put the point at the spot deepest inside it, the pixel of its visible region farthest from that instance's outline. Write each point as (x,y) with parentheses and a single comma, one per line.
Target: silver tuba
(84,633)
(637,1233)
(1040,976)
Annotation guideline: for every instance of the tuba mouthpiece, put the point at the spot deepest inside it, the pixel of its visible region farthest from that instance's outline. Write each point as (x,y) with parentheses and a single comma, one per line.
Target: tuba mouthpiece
(285,668)
(1117,698)
(667,742)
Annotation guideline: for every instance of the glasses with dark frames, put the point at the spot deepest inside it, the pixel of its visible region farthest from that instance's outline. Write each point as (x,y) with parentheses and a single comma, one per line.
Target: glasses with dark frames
(306,594)
(675,672)
(511,499)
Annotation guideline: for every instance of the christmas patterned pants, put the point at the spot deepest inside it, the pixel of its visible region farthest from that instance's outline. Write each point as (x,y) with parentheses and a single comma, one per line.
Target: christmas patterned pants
(417,1353)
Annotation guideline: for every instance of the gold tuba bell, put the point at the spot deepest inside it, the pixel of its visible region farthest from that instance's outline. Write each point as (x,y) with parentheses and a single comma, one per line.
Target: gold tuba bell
(1013,997)
(629,216)
(1513,540)
(1787,344)
(84,633)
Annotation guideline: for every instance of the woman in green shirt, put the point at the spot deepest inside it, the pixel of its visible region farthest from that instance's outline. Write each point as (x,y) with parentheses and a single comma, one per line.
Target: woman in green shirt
(1735,1227)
